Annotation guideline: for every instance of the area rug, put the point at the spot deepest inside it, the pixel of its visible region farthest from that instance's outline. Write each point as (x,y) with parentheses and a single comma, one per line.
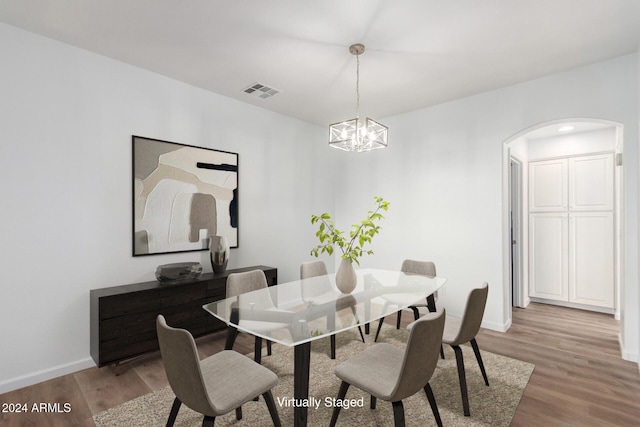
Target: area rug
(490,406)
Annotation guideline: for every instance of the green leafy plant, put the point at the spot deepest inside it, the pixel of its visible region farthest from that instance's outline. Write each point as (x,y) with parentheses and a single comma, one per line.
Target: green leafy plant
(350,245)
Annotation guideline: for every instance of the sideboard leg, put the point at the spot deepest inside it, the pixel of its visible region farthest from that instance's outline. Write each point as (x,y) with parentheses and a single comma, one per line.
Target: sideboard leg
(118,369)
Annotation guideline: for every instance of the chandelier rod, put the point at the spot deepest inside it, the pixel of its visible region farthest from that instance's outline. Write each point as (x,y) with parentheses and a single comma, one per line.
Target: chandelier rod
(357,86)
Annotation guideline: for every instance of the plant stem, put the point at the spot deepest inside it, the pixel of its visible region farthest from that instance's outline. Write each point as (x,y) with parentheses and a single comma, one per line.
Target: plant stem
(357,233)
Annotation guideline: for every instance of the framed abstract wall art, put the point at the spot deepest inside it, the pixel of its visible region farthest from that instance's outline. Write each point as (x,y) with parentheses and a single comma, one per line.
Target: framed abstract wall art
(181,195)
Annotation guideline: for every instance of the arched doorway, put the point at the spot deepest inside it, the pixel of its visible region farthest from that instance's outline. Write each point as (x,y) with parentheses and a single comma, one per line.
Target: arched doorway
(561,140)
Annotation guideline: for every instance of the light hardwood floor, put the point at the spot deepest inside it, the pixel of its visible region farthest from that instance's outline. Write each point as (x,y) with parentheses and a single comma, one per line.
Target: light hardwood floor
(579,379)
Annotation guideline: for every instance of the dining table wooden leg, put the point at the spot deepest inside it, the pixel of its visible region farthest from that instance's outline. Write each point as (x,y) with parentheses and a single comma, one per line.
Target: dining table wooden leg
(232,333)
(257,350)
(431,303)
(301,364)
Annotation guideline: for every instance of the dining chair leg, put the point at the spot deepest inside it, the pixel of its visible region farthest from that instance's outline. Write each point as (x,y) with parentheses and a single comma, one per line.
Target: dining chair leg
(416,312)
(372,402)
(432,402)
(269,348)
(398,413)
(257,350)
(476,350)
(441,352)
(271,405)
(333,346)
(378,331)
(208,421)
(361,334)
(463,379)
(239,413)
(174,412)
(336,409)
(398,319)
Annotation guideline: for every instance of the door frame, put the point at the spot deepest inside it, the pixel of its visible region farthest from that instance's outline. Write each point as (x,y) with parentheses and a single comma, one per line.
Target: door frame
(506,211)
(515,218)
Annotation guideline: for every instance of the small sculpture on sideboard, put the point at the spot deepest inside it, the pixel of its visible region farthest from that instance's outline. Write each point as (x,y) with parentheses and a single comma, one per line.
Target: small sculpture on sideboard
(178,273)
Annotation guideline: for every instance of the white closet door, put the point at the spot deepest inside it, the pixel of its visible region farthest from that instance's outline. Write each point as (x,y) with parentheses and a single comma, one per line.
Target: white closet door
(548,241)
(591,183)
(548,185)
(591,253)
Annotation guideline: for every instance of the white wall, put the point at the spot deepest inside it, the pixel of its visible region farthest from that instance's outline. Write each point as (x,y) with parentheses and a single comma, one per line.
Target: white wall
(594,141)
(443,174)
(66,120)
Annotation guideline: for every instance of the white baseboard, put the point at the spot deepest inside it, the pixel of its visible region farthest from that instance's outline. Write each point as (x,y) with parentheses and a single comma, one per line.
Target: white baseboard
(574,305)
(500,327)
(45,374)
(628,355)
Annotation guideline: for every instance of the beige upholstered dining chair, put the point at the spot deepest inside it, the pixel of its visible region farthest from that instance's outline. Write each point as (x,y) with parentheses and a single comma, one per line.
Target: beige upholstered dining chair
(215,385)
(458,331)
(392,374)
(321,292)
(241,283)
(426,268)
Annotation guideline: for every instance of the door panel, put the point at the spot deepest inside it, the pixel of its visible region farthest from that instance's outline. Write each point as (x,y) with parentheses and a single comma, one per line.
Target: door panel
(591,276)
(591,183)
(548,185)
(548,243)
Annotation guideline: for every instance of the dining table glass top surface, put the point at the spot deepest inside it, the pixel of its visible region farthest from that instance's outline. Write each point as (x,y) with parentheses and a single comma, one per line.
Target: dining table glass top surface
(304,310)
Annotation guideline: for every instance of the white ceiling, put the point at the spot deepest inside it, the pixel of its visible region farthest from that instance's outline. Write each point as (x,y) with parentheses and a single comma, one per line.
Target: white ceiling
(419,52)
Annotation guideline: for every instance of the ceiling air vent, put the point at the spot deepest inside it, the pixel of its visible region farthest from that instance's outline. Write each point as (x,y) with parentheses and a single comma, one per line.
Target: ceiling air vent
(261,90)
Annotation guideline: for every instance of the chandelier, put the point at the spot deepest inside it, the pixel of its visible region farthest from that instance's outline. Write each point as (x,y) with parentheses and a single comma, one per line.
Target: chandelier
(355,134)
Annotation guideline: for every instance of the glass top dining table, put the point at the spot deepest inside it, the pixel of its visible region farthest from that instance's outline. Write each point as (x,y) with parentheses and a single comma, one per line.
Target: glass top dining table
(298,312)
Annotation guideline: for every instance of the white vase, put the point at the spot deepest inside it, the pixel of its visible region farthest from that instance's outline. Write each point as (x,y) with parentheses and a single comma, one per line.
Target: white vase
(346,278)
(218,253)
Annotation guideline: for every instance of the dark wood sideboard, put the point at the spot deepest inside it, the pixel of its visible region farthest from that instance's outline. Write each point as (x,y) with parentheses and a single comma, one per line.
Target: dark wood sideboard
(123,317)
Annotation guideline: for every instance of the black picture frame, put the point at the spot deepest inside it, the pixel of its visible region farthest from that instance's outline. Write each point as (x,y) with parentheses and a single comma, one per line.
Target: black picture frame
(181,194)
